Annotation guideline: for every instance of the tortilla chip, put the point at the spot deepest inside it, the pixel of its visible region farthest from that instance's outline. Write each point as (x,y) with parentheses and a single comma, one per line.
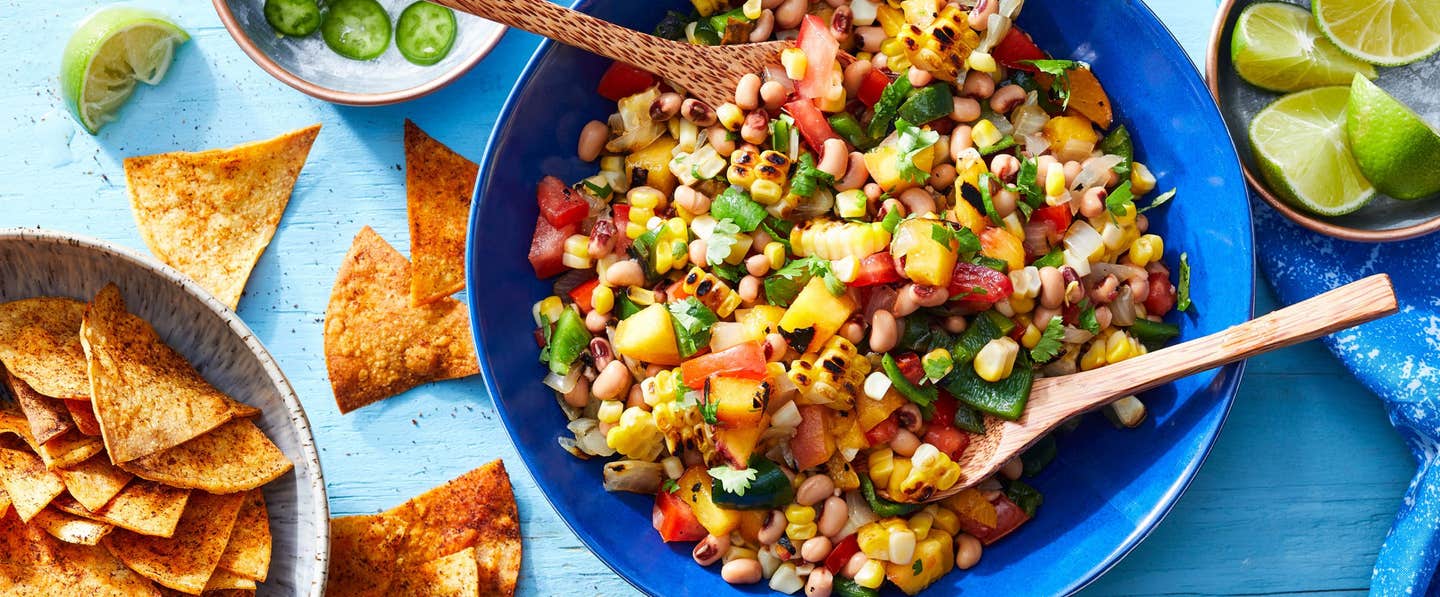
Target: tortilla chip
(211,214)
(94,482)
(84,416)
(32,563)
(146,396)
(376,344)
(70,528)
(454,575)
(40,343)
(47,416)
(224,580)
(143,507)
(247,554)
(438,187)
(67,450)
(4,501)
(185,561)
(234,457)
(31,487)
(363,554)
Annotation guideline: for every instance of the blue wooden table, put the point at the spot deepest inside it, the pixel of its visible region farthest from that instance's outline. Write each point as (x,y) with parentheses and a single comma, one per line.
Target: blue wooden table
(1296,496)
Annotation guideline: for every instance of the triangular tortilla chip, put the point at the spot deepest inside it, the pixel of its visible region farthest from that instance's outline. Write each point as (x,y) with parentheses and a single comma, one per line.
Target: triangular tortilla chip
(234,457)
(70,528)
(25,479)
(438,187)
(363,554)
(34,564)
(144,507)
(94,482)
(4,501)
(211,214)
(455,575)
(247,554)
(376,344)
(185,561)
(40,343)
(84,416)
(146,396)
(48,417)
(65,451)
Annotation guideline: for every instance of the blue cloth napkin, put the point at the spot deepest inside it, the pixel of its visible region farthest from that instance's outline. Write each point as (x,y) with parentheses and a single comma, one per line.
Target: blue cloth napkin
(1397,357)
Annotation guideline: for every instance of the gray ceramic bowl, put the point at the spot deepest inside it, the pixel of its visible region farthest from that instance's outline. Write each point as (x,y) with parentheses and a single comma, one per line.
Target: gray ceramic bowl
(307,64)
(224,350)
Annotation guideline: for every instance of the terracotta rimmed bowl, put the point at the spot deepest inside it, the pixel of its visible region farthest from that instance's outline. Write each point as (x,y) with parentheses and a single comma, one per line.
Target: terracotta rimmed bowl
(47,263)
(310,66)
(1384,219)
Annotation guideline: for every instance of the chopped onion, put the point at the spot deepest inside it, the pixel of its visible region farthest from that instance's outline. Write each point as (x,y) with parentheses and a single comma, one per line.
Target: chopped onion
(1065,365)
(1074,335)
(995,30)
(1011,8)
(569,445)
(1036,144)
(863,12)
(786,416)
(1096,171)
(633,476)
(725,334)
(563,383)
(818,204)
(1122,309)
(775,72)
(1029,119)
(860,513)
(1122,272)
(1002,124)
(571,413)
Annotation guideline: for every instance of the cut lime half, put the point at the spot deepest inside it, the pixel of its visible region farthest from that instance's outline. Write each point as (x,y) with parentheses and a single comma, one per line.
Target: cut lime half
(1383,32)
(111,50)
(1300,143)
(1277,46)
(1395,148)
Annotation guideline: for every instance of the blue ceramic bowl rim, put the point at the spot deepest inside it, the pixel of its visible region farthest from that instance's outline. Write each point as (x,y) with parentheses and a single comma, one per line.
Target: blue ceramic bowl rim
(1232,374)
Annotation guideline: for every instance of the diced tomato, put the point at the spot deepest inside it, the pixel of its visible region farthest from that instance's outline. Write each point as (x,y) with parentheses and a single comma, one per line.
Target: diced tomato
(979,284)
(811,122)
(944,410)
(949,440)
(547,247)
(942,125)
(812,444)
(581,295)
(1057,216)
(844,550)
(872,87)
(622,221)
(559,204)
(1015,48)
(1162,295)
(820,48)
(674,519)
(878,268)
(745,360)
(622,80)
(910,367)
(1008,518)
(883,432)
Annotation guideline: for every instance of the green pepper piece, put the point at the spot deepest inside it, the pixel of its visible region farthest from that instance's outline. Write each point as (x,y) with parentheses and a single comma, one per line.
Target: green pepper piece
(923,396)
(1038,456)
(849,129)
(624,307)
(888,108)
(569,340)
(770,489)
(1005,398)
(928,103)
(1154,331)
(881,506)
(1025,496)
(1118,142)
(969,419)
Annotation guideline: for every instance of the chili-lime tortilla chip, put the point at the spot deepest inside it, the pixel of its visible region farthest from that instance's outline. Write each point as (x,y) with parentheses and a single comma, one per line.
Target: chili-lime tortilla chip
(376,344)
(186,560)
(247,554)
(64,451)
(236,456)
(4,501)
(70,528)
(48,417)
(31,487)
(34,564)
(147,397)
(211,214)
(40,343)
(94,482)
(224,580)
(84,416)
(438,186)
(363,554)
(143,507)
(455,575)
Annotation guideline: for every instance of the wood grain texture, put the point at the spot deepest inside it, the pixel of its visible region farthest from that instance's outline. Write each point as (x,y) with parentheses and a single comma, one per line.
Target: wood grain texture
(1296,496)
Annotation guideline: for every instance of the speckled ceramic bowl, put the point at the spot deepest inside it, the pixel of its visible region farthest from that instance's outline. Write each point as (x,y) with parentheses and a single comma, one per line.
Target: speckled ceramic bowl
(307,64)
(224,350)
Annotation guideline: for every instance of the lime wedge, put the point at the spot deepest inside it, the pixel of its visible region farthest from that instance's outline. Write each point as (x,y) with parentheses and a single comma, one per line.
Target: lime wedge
(1396,149)
(111,50)
(1383,32)
(1300,143)
(1278,47)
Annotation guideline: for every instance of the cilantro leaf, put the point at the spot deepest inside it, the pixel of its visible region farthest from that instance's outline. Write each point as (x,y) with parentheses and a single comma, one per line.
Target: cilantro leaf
(721,241)
(1055,258)
(1088,322)
(736,205)
(808,178)
(1060,69)
(937,366)
(912,141)
(1049,344)
(778,229)
(1027,183)
(670,486)
(1119,198)
(918,567)
(733,481)
(782,286)
(599,191)
(949,234)
(693,321)
(1161,200)
(1182,292)
(708,411)
(892,218)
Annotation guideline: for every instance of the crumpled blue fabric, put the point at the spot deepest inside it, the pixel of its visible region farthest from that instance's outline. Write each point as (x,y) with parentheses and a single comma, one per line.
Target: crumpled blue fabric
(1397,358)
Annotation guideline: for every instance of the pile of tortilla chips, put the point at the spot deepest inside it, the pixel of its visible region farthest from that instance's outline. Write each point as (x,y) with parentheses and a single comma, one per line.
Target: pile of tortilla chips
(461,538)
(122,471)
(391,324)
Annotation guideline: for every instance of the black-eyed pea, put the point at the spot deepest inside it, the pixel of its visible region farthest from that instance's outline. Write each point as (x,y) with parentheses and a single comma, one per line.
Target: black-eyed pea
(979,18)
(747,92)
(596,321)
(834,157)
(774,94)
(1005,166)
(774,527)
(978,85)
(790,12)
(579,396)
(1092,202)
(820,583)
(592,140)
(905,443)
(749,289)
(855,74)
(756,128)
(1007,98)
(919,77)
(871,38)
(833,516)
(942,176)
(744,571)
(918,201)
(697,112)
(698,249)
(710,549)
(853,332)
(814,490)
(884,334)
(966,109)
(967,551)
(666,106)
(612,382)
(816,548)
(764,26)
(856,173)
(1052,288)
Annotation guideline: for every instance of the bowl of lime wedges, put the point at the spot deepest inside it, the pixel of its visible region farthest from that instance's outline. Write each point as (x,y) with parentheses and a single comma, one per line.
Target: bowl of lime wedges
(1333,107)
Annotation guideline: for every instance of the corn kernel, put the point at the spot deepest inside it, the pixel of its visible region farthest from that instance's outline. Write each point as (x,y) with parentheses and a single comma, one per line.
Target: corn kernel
(898,475)
(920,524)
(800,532)
(892,47)
(982,61)
(765,191)
(985,134)
(1021,305)
(851,204)
(674,467)
(797,514)
(1118,347)
(1031,337)
(882,466)
(648,197)
(846,268)
(612,163)
(1142,181)
(1026,282)
(891,19)
(730,116)
(775,252)
(945,520)
(1054,182)
(902,546)
(1146,249)
(551,307)
(610,411)
(578,245)
(795,63)
(602,299)
(751,9)
(1094,357)
(871,575)
(643,297)
(740,175)
(996,360)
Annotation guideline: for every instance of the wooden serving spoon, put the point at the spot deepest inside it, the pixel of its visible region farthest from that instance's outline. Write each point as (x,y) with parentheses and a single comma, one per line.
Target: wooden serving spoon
(707,72)
(1056,399)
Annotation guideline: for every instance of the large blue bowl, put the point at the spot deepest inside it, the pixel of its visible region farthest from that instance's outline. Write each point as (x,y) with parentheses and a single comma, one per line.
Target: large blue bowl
(1105,491)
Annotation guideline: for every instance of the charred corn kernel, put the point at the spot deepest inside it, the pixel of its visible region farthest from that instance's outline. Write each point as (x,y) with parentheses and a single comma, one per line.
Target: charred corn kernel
(612,163)
(610,411)
(1055,182)
(766,191)
(846,268)
(996,360)
(1142,181)
(710,291)
(1118,347)
(946,521)
(751,8)
(834,239)
(898,476)
(635,435)
(1026,282)
(833,376)
(902,546)
(930,471)
(1031,337)
(891,19)
(985,134)
(742,166)
(602,299)
(982,61)
(772,166)
(874,537)
(1022,305)
(940,45)
(1146,249)
(938,361)
(1093,357)
(797,514)
(775,252)
(795,63)
(851,204)
(871,575)
(882,464)
(920,524)
(643,297)
(683,426)
(730,116)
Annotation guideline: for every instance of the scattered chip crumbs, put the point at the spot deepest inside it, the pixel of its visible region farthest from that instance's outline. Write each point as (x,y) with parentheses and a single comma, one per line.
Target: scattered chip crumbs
(232,458)
(40,344)
(47,417)
(186,560)
(210,214)
(438,188)
(376,344)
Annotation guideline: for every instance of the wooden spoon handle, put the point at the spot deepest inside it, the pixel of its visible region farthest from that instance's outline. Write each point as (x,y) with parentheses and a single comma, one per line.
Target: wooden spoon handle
(570,27)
